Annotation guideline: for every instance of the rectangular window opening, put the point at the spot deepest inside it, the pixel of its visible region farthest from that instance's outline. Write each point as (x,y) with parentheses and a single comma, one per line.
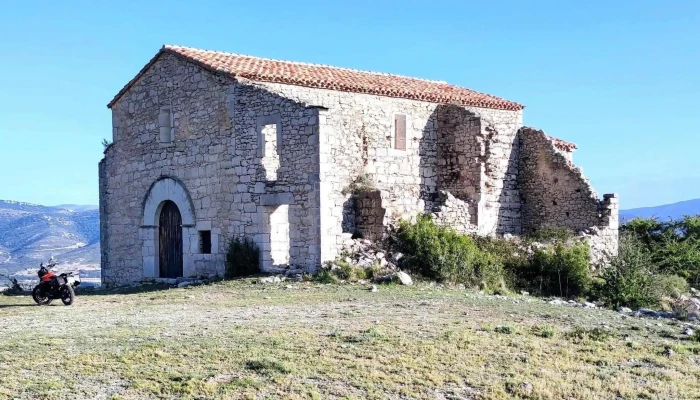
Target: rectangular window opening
(271,158)
(205,242)
(400,132)
(165,124)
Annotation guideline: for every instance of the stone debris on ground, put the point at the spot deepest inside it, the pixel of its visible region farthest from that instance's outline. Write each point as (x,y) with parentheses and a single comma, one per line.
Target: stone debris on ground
(687,307)
(366,253)
(270,280)
(404,278)
(571,303)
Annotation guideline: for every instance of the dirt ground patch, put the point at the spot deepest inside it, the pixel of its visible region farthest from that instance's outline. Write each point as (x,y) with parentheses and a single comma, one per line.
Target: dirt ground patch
(245,340)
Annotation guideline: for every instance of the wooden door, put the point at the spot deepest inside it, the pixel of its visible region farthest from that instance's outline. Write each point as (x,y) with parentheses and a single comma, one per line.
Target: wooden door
(170,241)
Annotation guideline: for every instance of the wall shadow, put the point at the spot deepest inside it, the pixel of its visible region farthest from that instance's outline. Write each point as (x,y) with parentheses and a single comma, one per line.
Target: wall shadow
(449,156)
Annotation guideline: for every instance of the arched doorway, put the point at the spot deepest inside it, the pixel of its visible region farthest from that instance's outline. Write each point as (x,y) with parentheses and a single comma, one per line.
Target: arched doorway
(170,241)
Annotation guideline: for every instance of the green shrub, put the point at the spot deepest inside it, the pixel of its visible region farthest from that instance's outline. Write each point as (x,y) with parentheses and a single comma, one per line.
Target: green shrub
(679,257)
(673,245)
(439,253)
(324,275)
(505,329)
(242,258)
(695,337)
(628,279)
(544,331)
(673,286)
(506,256)
(557,269)
(548,234)
(579,334)
(341,270)
(362,184)
(348,272)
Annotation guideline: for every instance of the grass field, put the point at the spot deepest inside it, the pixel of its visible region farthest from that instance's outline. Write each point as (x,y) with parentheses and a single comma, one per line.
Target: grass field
(245,340)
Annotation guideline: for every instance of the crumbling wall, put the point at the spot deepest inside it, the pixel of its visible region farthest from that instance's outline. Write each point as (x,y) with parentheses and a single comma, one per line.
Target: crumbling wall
(604,238)
(371,214)
(355,139)
(453,212)
(555,194)
(460,149)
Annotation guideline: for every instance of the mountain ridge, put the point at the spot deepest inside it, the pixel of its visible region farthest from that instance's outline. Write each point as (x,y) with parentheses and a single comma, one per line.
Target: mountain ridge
(31,233)
(663,212)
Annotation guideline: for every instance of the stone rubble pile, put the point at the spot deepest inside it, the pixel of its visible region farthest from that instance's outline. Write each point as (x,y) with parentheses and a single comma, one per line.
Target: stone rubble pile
(687,307)
(572,303)
(366,254)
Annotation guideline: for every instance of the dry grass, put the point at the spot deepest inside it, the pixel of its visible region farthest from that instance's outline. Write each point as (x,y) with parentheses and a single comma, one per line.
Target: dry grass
(244,340)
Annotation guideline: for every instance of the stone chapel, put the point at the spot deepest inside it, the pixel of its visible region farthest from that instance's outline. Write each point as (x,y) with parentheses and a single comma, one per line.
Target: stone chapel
(208,146)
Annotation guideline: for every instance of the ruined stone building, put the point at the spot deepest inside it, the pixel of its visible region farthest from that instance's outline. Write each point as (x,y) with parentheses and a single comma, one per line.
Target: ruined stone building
(208,146)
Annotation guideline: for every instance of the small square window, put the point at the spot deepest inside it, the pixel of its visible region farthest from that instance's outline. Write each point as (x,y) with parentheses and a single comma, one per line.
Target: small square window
(205,242)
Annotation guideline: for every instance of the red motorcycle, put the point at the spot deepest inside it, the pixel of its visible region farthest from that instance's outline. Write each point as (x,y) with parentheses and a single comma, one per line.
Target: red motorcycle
(52,286)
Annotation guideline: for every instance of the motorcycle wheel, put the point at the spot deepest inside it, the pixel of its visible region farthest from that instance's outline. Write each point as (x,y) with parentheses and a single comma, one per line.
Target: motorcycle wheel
(67,295)
(39,298)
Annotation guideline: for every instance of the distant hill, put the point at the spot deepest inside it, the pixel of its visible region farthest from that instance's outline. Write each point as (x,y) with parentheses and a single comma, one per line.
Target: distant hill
(31,233)
(76,207)
(663,212)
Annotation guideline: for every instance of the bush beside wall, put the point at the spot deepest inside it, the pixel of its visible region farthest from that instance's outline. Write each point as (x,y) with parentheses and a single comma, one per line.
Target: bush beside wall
(654,261)
(242,258)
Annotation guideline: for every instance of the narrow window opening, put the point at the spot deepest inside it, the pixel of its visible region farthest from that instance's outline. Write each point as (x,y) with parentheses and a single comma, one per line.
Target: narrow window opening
(400,132)
(165,124)
(271,158)
(205,242)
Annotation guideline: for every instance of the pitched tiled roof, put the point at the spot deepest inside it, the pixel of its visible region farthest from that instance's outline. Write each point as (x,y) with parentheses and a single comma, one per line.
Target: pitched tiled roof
(327,77)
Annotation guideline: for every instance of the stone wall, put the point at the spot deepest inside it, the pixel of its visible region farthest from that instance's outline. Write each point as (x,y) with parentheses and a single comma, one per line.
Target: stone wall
(555,194)
(274,162)
(453,212)
(356,138)
(371,214)
(460,156)
(218,124)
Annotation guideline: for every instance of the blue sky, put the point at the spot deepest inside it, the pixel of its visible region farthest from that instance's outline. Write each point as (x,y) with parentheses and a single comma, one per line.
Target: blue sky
(620,78)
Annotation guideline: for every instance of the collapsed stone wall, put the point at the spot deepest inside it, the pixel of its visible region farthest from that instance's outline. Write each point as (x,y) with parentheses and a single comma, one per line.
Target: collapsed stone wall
(218,124)
(456,147)
(453,212)
(555,194)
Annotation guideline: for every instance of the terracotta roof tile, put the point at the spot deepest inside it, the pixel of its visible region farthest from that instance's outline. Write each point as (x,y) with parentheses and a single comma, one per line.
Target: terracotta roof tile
(328,77)
(562,145)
